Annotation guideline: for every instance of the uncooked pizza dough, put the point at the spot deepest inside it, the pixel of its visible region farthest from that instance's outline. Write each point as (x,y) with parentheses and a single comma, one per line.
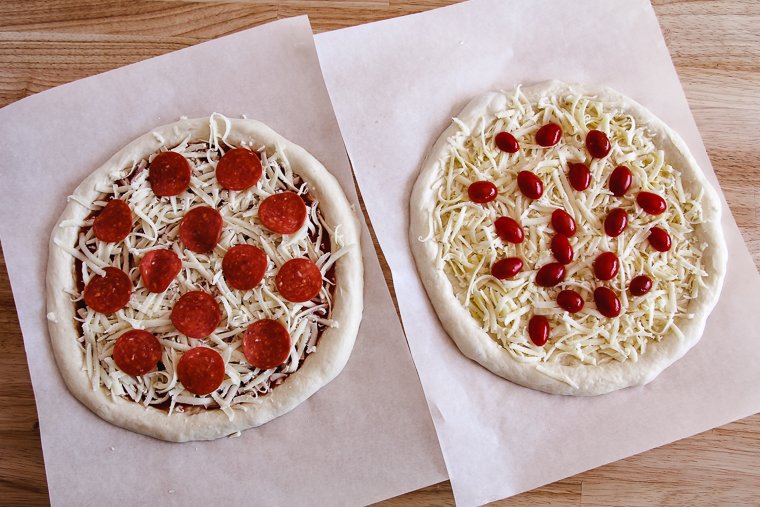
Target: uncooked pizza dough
(206,279)
(567,239)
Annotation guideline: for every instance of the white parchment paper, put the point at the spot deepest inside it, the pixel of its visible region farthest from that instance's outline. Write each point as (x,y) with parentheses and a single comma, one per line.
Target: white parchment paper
(364,437)
(395,86)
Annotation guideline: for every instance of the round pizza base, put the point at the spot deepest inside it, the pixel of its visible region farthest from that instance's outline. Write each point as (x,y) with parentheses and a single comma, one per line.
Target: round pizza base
(477,345)
(321,366)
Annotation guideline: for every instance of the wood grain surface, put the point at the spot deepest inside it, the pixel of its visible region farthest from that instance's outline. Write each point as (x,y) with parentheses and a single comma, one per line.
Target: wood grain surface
(716,48)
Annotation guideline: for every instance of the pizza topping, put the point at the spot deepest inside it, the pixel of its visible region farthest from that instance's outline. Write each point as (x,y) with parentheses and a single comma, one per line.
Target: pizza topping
(266,344)
(620,180)
(659,239)
(640,285)
(299,280)
(538,330)
(597,143)
(606,266)
(114,222)
(109,293)
(562,249)
(482,192)
(570,301)
(467,245)
(504,269)
(196,314)
(563,223)
(607,302)
(283,213)
(244,266)
(530,184)
(169,174)
(651,203)
(200,229)
(509,230)
(506,142)
(158,268)
(616,222)
(137,352)
(550,274)
(201,370)
(238,169)
(579,176)
(156,227)
(549,135)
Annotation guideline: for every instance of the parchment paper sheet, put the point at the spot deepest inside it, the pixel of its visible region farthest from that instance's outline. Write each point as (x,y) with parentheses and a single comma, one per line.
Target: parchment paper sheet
(364,437)
(395,86)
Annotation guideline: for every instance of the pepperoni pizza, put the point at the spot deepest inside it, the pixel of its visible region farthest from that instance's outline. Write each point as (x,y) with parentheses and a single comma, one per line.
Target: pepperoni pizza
(204,280)
(567,238)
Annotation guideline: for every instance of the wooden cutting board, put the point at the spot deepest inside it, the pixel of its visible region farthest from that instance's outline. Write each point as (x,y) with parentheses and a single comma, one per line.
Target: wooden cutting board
(716,49)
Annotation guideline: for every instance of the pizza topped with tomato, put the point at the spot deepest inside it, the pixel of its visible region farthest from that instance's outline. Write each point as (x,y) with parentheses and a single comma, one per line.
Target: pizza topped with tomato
(567,239)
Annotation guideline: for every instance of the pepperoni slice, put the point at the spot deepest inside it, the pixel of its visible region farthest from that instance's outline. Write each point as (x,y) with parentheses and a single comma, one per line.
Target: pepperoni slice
(201,370)
(196,314)
(158,268)
(169,174)
(201,229)
(283,213)
(298,280)
(266,344)
(244,266)
(110,293)
(238,169)
(114,222)
(137,352)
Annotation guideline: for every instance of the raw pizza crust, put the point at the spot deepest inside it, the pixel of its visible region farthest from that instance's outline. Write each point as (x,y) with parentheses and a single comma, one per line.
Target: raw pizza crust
(467,333)
(324,364)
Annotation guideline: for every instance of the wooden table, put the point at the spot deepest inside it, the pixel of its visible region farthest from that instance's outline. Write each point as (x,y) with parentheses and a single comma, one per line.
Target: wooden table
(716,48)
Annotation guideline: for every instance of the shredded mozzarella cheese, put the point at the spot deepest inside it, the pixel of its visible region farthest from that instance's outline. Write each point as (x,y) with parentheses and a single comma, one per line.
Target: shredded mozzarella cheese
(156,226)
(467,244)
